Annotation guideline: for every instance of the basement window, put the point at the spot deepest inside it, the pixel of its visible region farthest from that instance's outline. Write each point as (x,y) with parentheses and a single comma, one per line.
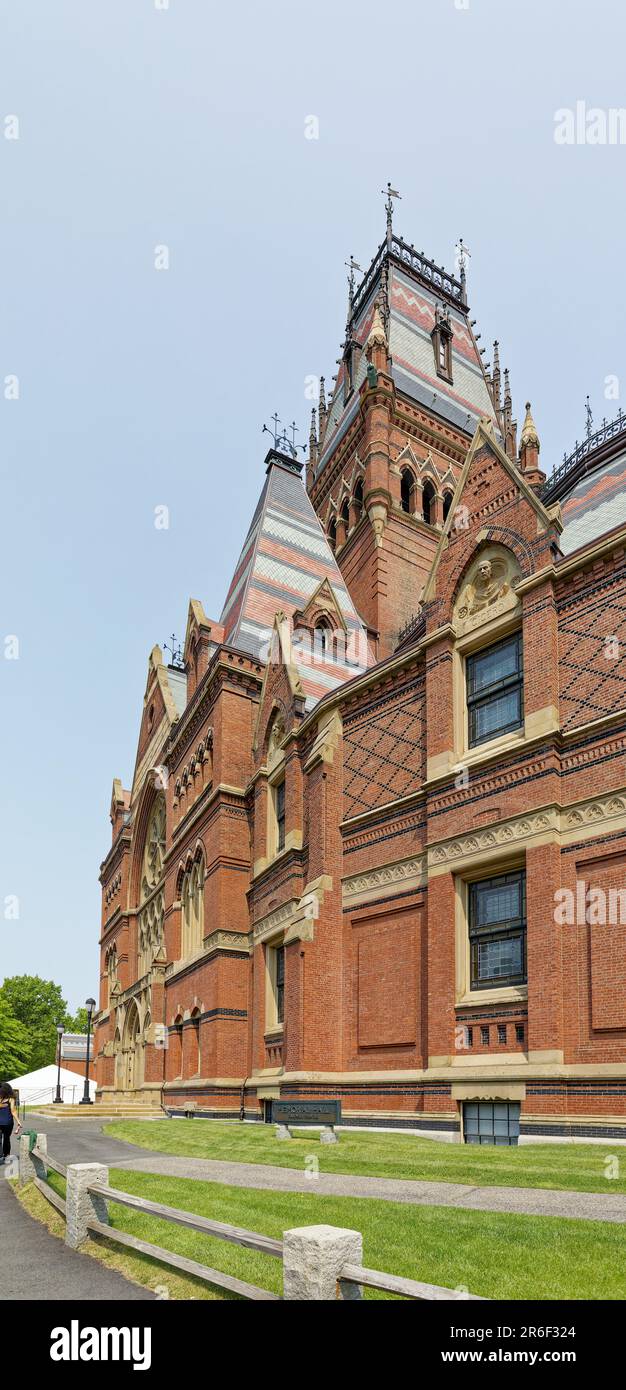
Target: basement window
(485,1122)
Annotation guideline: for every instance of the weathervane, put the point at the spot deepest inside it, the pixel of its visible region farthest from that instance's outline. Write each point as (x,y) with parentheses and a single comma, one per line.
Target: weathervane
(352,265)
(589,417)
(282,443)
(176,653)
(389,193)
(462,254)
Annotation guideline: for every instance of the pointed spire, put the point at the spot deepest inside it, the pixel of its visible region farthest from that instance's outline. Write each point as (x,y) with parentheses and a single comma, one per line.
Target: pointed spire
(509,425)
(529,433)
(495,376)
(529,451)
(313,432)
(322,411)
(312,459)
(508,403)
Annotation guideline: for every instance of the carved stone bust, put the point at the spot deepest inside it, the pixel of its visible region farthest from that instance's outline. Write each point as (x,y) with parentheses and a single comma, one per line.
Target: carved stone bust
(488,588)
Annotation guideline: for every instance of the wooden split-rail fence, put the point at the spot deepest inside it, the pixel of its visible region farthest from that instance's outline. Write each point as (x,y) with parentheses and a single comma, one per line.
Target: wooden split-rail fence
(319,1262)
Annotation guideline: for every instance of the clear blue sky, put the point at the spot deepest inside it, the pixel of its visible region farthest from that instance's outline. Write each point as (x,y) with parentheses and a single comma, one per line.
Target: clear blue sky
(185,126)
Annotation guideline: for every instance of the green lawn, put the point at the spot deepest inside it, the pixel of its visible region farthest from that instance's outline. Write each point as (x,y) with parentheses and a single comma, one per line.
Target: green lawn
(577,1167)
(496,1255)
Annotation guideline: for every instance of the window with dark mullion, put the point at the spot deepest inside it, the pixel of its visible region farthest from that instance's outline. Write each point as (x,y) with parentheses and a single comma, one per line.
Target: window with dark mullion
(497,931)
(280,816)
(495,690)
(280,984)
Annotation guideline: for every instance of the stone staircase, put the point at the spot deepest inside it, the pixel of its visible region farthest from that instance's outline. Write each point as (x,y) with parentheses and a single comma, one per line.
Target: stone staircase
(122,1110)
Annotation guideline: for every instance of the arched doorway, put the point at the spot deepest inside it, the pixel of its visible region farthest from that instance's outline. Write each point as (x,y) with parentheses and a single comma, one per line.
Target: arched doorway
(132,1049)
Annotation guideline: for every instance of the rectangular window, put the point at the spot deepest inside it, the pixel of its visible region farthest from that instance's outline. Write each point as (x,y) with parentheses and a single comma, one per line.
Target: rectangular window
(519,1033)
(469,1037)
(484,1036)
(487,1123)
(280,984)
(502,1033)
(497,931)
(495,690)
(279,803)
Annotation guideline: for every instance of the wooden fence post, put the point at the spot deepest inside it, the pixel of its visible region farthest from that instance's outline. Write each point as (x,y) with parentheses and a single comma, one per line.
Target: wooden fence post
(81,1205)
(313,1257)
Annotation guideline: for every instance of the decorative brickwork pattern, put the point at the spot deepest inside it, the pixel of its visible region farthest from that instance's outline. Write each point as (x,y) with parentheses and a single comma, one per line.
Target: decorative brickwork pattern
(592,669)
(384,753)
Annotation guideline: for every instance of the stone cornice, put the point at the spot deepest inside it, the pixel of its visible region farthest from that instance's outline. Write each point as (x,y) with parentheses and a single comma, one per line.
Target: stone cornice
(406,873)
(580,820)
(400,806)
(508,834)
(274,921)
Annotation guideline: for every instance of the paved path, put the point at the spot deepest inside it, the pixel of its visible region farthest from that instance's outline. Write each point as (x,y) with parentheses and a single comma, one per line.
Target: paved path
(36,1265)
(83,1141)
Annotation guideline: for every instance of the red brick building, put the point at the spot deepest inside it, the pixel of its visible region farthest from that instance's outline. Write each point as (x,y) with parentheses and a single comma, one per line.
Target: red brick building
(374,848)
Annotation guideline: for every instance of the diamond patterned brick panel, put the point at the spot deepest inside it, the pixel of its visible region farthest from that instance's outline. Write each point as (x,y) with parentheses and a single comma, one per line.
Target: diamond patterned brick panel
(384,753)
(592,681)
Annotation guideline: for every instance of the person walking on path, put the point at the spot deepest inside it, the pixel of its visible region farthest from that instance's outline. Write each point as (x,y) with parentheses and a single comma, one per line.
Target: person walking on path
(8,1118)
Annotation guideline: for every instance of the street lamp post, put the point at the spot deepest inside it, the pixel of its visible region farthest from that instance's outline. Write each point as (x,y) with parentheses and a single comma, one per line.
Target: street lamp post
(90,1006)
(58,1099)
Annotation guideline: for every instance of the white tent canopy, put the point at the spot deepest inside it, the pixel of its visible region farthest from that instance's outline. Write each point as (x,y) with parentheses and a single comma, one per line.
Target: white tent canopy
(40,1087)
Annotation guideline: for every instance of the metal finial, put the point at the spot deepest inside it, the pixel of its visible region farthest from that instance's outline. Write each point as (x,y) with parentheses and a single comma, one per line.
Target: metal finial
(352,265)
(282,442)
(389,193)
(176,653)
(462,255)
(589,417)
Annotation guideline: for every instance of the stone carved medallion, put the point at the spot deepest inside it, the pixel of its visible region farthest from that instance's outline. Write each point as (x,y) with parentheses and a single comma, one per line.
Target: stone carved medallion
(488,590)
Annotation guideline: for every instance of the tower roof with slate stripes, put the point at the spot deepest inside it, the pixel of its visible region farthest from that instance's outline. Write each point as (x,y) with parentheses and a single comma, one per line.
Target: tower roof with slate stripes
(284,560)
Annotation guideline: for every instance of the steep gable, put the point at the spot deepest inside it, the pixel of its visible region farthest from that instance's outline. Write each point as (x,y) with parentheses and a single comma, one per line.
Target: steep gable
(492,504)
(163,703)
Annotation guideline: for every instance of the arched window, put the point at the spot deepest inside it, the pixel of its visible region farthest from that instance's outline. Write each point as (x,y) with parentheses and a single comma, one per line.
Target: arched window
(345,512)
(195,1054)
(276,788)
(448,499)
(111,964)
(323,639)
(407,484)
(357,500)
(192,906)
(332,533)
(428,502)
(175,1039)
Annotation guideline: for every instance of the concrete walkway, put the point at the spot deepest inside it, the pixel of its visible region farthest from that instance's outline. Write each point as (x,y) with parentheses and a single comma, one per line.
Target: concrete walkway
(37,1266)
(82,1141)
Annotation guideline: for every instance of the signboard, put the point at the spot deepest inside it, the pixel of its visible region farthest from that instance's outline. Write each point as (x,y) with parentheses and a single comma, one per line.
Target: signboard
(74,1047)
(306,1112)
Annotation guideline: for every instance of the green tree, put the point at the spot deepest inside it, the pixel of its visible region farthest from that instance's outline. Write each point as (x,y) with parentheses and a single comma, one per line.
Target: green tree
(76,1023)
(14,1044)
(39,1006)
